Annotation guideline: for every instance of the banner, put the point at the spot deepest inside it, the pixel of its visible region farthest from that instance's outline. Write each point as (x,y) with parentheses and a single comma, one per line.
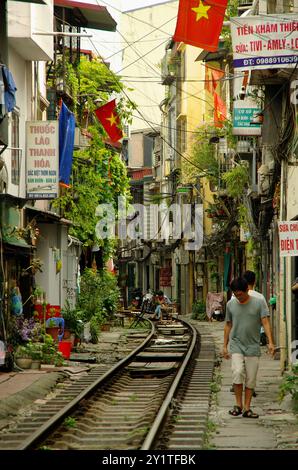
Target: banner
(42,156)
(66,143)
(264,41)
(288,238)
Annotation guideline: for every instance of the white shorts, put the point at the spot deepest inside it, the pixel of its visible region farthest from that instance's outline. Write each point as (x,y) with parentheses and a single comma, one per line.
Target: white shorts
(245,369)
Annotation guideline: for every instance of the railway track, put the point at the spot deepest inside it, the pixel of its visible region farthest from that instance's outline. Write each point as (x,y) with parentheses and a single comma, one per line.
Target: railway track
(124,408)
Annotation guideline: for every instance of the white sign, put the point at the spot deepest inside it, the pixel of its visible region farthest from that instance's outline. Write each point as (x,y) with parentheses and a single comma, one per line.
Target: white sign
(264,41)
(288,238)
(42,159)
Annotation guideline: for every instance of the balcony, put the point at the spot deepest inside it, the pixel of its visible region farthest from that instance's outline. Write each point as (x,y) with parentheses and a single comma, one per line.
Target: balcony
(168,69)
(25,21)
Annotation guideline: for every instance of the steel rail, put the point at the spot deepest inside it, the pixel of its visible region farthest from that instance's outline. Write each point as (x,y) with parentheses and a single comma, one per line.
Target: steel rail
(157,424)
(57,418)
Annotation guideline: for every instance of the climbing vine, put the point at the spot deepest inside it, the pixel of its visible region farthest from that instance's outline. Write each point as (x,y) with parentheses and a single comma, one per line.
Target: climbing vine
(98,176)
(236,180)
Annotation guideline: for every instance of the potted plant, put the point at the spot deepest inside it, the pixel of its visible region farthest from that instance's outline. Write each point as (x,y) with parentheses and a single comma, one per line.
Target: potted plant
(38,295)
(73,323)
(35,351)
(23,358)
(52,328)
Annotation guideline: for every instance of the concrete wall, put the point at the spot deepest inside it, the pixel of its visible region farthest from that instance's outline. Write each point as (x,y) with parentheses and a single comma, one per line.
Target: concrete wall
(136,151)
(51,246)
(47,247)
(24,21)
(147,92)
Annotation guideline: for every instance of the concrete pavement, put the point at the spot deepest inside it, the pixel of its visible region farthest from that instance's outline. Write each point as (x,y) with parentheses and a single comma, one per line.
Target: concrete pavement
(277,426)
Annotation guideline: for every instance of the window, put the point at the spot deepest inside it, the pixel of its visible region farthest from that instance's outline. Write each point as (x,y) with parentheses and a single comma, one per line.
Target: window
(182,139)
(15,152)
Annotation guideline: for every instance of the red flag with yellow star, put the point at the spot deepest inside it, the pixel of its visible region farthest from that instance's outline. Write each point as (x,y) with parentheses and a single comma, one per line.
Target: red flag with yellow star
(199,23)
(220,111)
(108,117)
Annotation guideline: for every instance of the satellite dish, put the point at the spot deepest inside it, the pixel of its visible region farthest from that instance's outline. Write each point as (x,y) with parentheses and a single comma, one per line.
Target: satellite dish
(3,179)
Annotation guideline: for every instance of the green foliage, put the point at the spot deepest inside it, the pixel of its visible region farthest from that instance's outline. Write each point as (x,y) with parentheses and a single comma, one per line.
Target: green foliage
(236,180)
(98,174)
(99,295)
(72,318)
(232,10)
(289,385)
(211,428)
(45,350)
(35,350)
(22,352)
(95,323)
(98,177)
(97,81)
(70,422)
(199,310)
(202,155)
(50,355)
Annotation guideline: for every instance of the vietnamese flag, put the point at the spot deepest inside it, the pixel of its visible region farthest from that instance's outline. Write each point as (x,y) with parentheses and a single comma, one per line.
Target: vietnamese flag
(212,77)
(220,111)
(108,117)
(199,23)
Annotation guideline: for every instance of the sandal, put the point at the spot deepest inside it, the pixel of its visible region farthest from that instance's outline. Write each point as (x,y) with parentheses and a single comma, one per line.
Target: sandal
(236,411)
(249,414)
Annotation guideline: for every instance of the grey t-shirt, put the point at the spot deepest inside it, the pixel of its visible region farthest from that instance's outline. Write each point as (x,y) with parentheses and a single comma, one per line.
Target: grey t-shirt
(246,322)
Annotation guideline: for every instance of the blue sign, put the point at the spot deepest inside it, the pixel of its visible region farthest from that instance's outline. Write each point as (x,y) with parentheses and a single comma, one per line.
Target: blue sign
(244,116)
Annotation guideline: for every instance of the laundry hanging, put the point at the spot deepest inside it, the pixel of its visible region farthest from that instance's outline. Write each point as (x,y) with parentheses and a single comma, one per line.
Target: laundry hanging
(9,89)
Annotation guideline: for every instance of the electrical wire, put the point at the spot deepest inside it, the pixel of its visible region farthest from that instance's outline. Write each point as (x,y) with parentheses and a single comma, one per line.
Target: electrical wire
(131,16)
(183,156)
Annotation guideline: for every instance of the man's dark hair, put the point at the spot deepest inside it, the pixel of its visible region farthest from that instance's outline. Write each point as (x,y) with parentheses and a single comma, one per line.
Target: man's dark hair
(250,277)
(239,284)
(160,292)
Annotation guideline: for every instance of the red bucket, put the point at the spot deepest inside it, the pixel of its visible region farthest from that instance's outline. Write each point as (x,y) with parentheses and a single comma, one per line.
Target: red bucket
(65,347)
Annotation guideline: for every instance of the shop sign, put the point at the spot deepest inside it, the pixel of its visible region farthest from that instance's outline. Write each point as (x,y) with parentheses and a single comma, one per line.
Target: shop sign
(264,41)
(165,277)
(288,238)
(42,159)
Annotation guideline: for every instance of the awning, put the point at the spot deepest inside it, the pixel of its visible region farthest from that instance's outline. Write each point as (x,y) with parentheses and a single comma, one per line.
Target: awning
(85,14)
(17,242)
(9,220)
(43,216)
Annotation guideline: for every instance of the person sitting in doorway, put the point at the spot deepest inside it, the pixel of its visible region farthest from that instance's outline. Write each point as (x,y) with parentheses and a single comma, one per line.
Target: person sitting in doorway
(161,301)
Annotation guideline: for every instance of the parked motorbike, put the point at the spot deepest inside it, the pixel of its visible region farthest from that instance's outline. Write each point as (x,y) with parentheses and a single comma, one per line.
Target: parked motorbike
(218,315)
(6,357)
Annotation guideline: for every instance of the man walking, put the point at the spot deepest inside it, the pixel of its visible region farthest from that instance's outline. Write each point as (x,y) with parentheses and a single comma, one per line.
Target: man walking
(244,316)
(250,278)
